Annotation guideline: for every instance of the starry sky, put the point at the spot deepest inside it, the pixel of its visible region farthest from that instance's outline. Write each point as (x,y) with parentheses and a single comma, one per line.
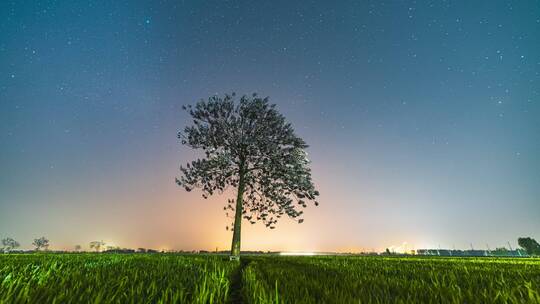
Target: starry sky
(422,119)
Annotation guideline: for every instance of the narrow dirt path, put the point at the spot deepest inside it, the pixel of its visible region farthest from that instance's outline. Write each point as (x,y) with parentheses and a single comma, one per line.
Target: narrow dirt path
(236,296)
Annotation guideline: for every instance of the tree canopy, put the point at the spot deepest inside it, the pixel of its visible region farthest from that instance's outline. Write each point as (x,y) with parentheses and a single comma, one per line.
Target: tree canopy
(530,245)
(9,244)
(248,143)
(96,245)
(41,243)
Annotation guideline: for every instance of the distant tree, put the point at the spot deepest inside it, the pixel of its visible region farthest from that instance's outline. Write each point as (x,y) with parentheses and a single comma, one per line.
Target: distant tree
(41,243)
(78,248)
(502,250)
(248,145)
(530,245)
(9,244)
(141,250)
(97,245)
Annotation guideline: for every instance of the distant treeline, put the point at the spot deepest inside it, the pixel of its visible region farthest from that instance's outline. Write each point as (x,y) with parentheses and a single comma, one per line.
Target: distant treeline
(529,247)
(501,252)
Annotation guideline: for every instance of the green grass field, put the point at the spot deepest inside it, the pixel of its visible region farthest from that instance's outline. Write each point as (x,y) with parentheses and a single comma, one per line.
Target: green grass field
(169,278)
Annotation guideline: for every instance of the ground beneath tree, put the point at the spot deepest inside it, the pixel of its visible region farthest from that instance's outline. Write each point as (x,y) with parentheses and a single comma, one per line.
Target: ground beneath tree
(237,286)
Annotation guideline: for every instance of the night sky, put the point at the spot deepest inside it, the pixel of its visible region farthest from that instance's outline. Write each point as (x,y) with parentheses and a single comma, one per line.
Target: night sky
(422,119)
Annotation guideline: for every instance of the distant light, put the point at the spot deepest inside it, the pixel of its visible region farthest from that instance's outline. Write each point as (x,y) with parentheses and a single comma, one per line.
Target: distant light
(298,253)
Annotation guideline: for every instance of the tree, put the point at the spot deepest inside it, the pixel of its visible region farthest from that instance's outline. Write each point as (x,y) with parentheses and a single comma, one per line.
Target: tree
(97,245)
(500,250)
(9,244)
(530,245)
(248,145)
(41,243)
(78,248)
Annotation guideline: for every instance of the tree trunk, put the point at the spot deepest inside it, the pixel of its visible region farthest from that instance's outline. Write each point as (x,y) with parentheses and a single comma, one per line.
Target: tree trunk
(235,247)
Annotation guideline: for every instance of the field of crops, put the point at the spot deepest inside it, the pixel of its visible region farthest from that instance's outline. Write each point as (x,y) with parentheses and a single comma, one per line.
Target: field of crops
(168,278)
